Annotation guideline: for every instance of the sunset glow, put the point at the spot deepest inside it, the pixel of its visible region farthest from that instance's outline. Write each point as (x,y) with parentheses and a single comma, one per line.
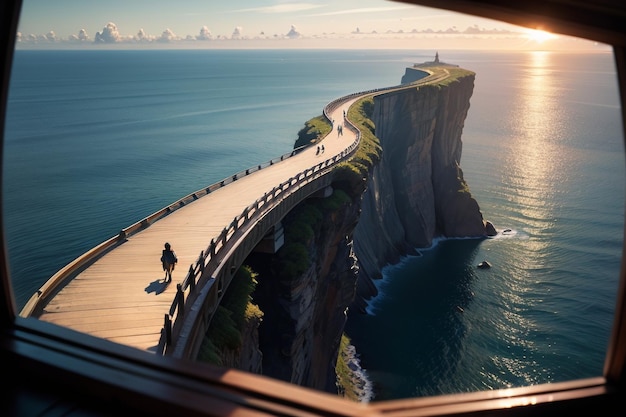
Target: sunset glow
(539,36)
(270,24)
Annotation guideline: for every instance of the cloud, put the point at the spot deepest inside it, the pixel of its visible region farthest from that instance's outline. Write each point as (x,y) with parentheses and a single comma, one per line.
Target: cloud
(237,33)
(109,34)
(167,36)
(51,37)
(205,34)
(81,37)
(142,36)
(293,33)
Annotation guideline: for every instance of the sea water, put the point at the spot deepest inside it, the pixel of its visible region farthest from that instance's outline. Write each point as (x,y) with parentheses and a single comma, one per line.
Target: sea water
(543,155)
(97,140)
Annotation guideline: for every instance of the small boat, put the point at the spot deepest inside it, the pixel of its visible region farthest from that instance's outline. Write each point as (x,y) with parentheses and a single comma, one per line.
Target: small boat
(484,265)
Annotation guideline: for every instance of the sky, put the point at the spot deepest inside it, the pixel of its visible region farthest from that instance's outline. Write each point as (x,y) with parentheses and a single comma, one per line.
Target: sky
(234,24)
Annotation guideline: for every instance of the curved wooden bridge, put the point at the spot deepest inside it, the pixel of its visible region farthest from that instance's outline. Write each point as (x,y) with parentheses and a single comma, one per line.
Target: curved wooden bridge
(117,291)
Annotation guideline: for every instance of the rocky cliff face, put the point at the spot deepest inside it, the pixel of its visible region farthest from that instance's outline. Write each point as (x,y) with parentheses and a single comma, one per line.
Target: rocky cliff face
(305,311)
(417,191)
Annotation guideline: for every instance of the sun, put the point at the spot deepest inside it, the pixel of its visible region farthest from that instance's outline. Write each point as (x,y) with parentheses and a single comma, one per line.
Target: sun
(538,35)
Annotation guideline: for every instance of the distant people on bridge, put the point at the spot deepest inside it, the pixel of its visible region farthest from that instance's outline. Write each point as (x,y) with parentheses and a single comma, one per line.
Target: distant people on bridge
(322,148)
(340,130)
(318,151)
(168,260)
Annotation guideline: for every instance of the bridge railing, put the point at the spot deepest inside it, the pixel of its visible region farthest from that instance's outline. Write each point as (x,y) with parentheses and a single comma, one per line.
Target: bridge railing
(58,280)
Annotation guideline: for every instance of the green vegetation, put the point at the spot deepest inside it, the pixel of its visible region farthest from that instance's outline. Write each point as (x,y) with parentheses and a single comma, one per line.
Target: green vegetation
(350,174)
(293,258)
(313,131)
(346,380)
(300,226)
(463,187)
(455,74)
(335,201)
(354,171)
(235,310)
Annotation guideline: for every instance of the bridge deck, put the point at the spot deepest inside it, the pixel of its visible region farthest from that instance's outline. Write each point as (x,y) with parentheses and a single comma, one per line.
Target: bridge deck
(122,297)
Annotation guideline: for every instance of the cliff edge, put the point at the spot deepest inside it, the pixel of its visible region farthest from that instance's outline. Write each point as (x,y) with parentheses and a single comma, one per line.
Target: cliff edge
(417,191)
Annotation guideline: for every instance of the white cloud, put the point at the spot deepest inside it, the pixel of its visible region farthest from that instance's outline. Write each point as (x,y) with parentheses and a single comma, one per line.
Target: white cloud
(142,36)
(205,34)
(81,37)
(51,37)
(167,36)
(293,33)
(237,32)
(109,34)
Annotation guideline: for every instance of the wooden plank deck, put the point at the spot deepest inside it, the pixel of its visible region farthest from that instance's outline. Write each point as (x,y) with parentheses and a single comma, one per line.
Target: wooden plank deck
(123,298)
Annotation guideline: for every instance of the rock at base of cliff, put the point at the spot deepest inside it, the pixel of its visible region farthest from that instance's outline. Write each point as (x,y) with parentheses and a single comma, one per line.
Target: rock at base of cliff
(490,229)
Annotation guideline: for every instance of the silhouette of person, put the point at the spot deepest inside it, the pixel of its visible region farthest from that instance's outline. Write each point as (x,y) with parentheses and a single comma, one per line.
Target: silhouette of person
(168,260)
(318,151)
(322,148)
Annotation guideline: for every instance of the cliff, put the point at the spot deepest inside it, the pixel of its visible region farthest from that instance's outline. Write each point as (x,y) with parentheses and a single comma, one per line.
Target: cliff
(417,191)
(305,289)
(403,188)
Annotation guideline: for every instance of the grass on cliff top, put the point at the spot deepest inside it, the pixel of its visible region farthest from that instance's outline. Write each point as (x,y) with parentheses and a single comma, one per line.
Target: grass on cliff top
(354,171)
(313,131)
(455,74)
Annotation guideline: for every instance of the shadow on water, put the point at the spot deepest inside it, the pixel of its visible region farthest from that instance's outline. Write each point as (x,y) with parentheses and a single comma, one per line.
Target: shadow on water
(412,344)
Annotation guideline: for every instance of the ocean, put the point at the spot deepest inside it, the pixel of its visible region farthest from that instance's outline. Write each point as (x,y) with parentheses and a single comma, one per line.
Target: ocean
(97,140)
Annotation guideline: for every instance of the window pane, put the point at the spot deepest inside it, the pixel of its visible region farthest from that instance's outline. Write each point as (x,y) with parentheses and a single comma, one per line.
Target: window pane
(109,123)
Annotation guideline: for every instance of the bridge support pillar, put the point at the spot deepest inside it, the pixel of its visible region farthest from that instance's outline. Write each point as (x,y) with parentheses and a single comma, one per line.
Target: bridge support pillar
(272,241)
(323,193)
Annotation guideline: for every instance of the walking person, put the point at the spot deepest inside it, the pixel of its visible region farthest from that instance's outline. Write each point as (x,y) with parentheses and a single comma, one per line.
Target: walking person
(168,260)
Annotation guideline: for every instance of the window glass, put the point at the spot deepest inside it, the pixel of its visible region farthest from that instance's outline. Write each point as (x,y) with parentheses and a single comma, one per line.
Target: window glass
(112,117)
